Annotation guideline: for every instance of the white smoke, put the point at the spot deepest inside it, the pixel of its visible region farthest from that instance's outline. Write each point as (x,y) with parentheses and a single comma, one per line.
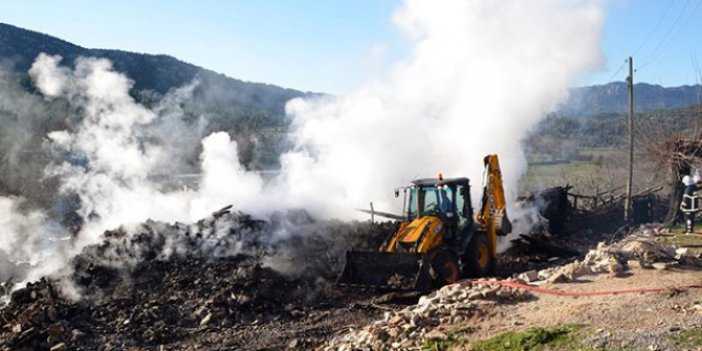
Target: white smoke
(225,181)
(17,242)
(108,160)
(480,75)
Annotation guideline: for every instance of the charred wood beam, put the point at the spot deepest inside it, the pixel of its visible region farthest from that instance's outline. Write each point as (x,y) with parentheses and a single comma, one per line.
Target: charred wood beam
(540,245)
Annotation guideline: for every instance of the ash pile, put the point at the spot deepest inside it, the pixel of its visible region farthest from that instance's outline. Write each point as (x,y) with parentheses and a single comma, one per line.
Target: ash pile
(174,285)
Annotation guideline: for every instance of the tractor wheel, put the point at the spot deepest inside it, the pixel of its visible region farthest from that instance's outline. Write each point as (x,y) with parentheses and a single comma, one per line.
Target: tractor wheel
(477,260)
(445,268)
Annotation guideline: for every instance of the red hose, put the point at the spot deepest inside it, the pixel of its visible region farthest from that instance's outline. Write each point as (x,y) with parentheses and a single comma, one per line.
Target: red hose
(577,293)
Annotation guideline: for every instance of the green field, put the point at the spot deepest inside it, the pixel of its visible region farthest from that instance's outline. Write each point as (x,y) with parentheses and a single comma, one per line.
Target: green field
(592,170)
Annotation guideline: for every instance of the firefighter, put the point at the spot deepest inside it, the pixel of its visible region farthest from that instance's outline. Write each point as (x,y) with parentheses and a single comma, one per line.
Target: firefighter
(690,203)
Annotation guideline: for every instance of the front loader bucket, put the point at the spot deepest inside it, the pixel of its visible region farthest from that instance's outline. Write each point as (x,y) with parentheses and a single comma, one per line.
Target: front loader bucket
(396,271)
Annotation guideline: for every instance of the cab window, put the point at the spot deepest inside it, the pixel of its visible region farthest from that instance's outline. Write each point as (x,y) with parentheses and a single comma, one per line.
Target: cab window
(461,206)
(446,199)
(431,200)
(412,203)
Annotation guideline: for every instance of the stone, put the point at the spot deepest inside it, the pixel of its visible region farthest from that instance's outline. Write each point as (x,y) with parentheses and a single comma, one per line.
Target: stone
(294,343)
(396,320)
(646,265)
(393,332)
(475,295)
(206,320)
(615,268)
(633,264)
(505,294)
(76,335)
(59,346)
(52,314)
(544,274)
(379,334)
(200,311)
(578,270)
(491,292)
(558,277)
(436,335)
(529,276)
(54,330)
(425,300)
(414,321)
(661,266)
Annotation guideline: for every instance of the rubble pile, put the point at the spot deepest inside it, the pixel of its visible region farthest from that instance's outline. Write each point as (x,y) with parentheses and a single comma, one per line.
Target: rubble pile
(411,327)
(160,283)
(641,248)
(164,302)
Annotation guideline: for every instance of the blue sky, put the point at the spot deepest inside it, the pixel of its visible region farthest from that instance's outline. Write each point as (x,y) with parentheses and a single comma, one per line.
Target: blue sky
(663,36)
(331,46)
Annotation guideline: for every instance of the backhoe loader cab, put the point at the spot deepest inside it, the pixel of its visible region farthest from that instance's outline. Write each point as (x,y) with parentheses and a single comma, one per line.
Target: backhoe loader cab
(448,200)
(438,197)
(436,240)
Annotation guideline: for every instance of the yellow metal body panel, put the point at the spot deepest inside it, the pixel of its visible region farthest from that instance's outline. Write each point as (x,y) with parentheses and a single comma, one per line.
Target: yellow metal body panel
(420,235)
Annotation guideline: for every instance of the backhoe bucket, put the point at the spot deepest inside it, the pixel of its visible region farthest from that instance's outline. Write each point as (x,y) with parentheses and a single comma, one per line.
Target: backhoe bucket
(396,271)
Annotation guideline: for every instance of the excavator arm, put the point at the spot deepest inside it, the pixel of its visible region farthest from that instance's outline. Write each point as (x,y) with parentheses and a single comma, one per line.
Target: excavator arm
(493,207)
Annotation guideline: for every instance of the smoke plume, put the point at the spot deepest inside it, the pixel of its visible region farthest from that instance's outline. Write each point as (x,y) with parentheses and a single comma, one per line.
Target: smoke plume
(480,75)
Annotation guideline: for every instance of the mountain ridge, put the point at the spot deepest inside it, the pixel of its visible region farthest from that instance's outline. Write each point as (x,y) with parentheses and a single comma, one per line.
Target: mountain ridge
(613,98)
(158,73)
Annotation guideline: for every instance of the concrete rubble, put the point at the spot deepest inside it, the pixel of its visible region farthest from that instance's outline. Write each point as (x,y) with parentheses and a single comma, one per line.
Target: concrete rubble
(411,327)
(641,249)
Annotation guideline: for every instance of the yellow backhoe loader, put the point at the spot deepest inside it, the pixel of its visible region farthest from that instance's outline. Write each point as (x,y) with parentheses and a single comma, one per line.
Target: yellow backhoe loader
(436,241)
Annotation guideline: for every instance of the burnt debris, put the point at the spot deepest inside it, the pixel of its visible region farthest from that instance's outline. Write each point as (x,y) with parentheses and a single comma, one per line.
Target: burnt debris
(183,285)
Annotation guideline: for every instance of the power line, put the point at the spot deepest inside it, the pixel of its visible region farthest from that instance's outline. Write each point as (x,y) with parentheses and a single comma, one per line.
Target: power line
(618,70)
(667,39)
(672,28)
(646,40)
(655,28)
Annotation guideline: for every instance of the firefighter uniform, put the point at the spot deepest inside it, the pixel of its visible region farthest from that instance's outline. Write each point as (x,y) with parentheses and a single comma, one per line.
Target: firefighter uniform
(690,203)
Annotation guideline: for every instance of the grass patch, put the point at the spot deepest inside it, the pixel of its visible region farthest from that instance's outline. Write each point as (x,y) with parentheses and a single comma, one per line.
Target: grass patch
(560,337)
(682,239)
(445,344)
(692,242)
(678,228)
(599,151)
(453,339)
(690,338)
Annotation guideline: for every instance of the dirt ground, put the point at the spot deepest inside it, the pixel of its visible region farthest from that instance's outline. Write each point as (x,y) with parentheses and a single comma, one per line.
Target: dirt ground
(614,322)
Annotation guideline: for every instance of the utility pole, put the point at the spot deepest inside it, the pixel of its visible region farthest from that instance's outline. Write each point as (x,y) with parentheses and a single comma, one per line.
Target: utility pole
(630,86)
